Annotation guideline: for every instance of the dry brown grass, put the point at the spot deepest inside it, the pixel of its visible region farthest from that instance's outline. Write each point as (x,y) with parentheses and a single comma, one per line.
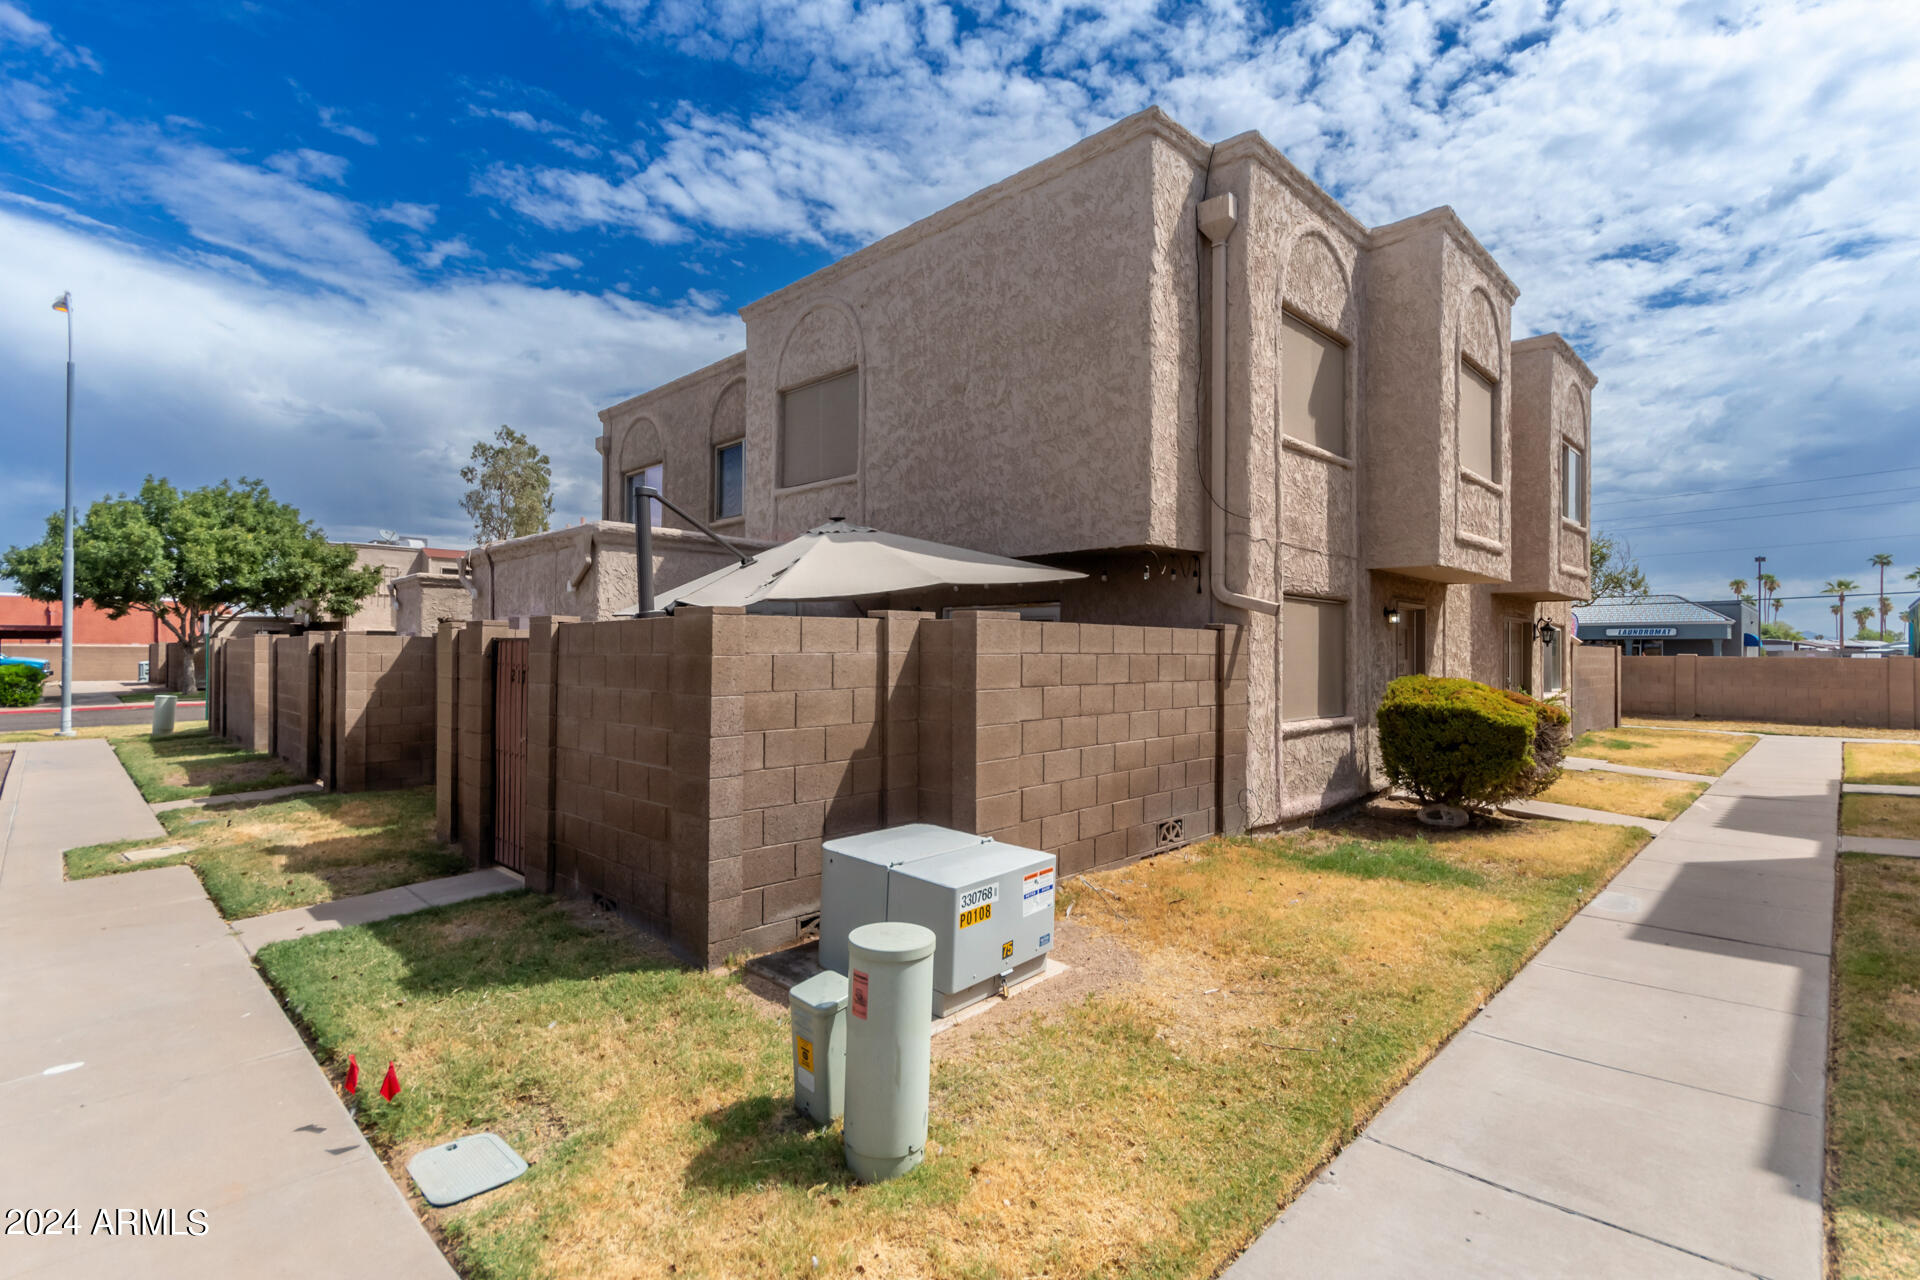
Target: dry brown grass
(1885,763)
(1624,793)
(1710,754)
(1278,992)
(1769,726)
(1889,817)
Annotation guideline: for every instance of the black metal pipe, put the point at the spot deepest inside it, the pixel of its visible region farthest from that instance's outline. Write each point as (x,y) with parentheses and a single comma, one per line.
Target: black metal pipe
(643,542)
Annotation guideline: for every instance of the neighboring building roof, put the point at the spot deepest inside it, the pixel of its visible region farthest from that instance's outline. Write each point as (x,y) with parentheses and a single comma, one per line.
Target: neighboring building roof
(1647,611)
(443,553)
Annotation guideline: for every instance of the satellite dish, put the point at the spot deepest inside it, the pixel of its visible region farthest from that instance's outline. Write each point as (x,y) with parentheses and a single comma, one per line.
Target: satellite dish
(388,535)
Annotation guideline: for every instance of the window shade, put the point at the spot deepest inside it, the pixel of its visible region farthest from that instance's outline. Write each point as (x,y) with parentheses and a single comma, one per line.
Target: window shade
(1476,423)
(1313,386)
(820,430)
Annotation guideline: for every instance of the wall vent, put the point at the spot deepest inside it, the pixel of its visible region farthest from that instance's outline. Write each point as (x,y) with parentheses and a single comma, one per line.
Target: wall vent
(1172,831)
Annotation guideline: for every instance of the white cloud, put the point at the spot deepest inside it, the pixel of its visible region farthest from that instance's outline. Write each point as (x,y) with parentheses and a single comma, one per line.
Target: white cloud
(330,120)
(18,28)
(441,250)
(356,408)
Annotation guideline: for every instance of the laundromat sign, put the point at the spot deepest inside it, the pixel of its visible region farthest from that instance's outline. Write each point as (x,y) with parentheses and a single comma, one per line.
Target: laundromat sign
(1642,633)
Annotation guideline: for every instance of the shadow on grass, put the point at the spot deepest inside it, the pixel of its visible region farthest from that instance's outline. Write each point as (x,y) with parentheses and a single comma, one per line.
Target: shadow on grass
(763,1140)
(203,760)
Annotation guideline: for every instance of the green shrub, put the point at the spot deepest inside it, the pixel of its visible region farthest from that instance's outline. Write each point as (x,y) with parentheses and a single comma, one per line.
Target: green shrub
(1552,735)
(20,686)
(1457,742)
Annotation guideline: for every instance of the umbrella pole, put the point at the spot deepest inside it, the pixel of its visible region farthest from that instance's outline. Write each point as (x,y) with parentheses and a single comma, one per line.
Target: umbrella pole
(643,543)
(643,552)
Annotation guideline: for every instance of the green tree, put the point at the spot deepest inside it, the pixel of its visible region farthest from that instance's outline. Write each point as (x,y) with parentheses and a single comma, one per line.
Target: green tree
(1779,630)
(1615,573)
(1739,588)
(512,494)
(209,553)
(1860,617)
(1882,561)
(1840,587)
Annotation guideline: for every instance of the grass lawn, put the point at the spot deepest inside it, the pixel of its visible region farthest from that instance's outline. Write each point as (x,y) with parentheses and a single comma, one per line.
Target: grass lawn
(1624,793)
(259,858)
(186,699)
(192,762)
(1678,751)
(1886,763)
(83,730)
(1767,726)
(1897,817)
(1873,1098)
(1246,1005)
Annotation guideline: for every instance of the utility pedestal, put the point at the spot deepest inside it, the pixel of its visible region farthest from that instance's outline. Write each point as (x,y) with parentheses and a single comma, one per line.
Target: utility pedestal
(889,1048)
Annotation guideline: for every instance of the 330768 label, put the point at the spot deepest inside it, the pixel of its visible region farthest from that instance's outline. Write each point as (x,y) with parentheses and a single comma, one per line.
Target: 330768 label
(976,904)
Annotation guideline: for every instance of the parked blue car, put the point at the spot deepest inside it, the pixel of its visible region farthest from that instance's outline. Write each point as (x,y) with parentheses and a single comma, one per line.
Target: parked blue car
(36,663)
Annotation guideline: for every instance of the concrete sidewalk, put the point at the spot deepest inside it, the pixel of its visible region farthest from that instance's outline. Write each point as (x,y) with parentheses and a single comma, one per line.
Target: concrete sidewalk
(298,922)
(145,1066)
(1645,1099)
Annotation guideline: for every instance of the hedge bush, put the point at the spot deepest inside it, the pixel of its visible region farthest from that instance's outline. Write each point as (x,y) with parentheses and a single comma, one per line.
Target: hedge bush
(1552,735)
(1458,742)
(20,685)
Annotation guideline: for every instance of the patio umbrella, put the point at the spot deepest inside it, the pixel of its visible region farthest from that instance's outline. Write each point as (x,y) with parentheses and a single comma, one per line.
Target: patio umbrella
(839,561)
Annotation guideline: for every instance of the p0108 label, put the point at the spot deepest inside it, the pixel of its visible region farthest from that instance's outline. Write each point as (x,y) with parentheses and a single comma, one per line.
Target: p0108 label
(976,904)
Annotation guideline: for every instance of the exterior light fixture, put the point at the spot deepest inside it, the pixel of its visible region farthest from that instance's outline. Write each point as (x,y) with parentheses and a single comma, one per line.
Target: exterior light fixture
(1546,631)
(1392,613)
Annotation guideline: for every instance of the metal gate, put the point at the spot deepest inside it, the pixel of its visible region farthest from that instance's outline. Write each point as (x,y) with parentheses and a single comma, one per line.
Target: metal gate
(510,754)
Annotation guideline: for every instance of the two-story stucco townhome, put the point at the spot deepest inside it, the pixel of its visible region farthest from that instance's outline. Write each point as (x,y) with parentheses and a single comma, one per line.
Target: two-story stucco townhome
(1186,370)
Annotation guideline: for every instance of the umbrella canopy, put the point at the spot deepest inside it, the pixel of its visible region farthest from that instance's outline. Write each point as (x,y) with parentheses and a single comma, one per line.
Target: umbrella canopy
(839,561)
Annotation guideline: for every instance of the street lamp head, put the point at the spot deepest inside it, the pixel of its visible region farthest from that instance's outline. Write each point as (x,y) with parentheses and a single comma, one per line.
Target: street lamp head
(64,303)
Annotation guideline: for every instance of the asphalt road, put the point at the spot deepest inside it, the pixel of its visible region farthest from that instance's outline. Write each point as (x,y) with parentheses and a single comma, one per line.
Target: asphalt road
(22,721)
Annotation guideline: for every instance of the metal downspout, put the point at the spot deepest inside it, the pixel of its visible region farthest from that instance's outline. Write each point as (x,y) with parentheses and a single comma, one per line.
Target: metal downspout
(1217,221)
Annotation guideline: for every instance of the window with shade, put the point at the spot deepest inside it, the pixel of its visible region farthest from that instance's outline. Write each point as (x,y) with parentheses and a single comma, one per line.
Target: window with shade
(729,480)
(1573,484)
(1553,661)
(1477,439)
(1314,654)
(1313,386)
(649,478)
(820,430)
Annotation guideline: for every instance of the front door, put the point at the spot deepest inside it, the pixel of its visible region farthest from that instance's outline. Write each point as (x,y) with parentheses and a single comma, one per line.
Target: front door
(1410,643)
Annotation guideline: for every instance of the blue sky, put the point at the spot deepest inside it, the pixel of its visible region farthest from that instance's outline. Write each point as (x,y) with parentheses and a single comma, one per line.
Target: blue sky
(331,245)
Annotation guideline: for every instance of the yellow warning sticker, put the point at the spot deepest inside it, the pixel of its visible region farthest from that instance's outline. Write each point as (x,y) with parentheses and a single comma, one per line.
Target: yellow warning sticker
(974,915)
(803,1052)
(1006,949)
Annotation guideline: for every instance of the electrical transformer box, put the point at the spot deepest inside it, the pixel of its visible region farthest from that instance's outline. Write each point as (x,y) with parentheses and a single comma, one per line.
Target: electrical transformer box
(989,905)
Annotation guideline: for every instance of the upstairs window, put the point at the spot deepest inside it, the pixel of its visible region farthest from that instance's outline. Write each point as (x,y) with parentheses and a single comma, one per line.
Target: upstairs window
(1573,484)
(820,430)
(1313,382)
(647,477)
(729,480)
(1477,396)
(1314,651)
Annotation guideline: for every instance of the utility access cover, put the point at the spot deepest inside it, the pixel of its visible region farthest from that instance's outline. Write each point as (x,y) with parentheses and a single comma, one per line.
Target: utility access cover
(465,1167)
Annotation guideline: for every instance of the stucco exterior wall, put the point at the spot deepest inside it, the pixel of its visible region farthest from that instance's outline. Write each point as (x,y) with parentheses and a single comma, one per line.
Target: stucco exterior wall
(1014,354)
(1552,391)
(423,600)
(585,571)
(678,426)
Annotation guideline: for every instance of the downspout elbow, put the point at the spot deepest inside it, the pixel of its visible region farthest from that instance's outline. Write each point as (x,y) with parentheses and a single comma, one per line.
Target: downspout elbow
(586,565)
(1217,220)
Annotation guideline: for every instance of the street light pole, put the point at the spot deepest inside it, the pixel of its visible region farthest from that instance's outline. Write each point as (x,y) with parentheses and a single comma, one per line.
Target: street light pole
(1760,606)
(65,305)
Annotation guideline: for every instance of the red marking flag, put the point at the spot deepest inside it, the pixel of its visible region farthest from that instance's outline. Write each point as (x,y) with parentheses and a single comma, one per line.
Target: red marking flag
(390,1087)
(352,1083)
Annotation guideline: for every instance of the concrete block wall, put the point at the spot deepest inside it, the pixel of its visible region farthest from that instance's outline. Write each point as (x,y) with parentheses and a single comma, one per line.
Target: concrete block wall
(1097,743)
(382,735)
(687,770)
(1880,693)
(90,661)
(243,707)
(1596,687)
(296,690)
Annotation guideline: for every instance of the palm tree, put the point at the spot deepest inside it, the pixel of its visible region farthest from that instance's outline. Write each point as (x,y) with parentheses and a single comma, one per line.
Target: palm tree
(1839,628)
(1738,586)
(1840,587)
(1882,562)
(1860,617)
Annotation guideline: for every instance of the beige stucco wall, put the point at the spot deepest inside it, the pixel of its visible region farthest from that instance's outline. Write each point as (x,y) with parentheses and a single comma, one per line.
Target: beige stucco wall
(676,425)
(423,600)
(585,571)
(1552,394)
(1033,380)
